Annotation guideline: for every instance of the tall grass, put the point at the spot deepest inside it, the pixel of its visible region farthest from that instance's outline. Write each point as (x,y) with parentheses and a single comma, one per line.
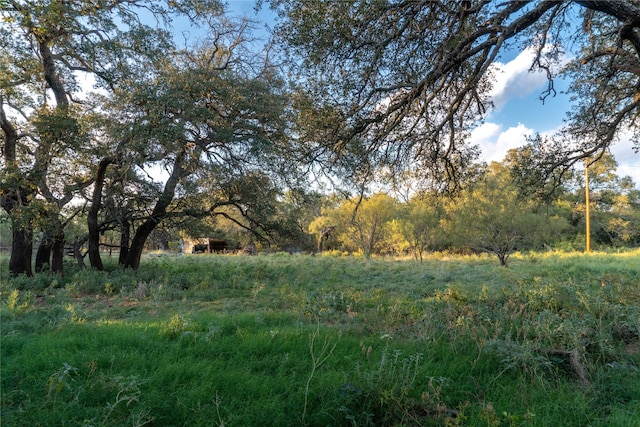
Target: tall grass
(299,340)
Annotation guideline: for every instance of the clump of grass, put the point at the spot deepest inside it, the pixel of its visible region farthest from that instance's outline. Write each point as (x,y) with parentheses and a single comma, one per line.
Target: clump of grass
(382,391)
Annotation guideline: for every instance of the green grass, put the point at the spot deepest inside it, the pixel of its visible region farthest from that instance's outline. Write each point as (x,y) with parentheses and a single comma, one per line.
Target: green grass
(284,340)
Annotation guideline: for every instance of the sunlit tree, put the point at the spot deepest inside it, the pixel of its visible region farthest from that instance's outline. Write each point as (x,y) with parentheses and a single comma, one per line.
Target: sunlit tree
(422,229)
(492,217)
(362,222)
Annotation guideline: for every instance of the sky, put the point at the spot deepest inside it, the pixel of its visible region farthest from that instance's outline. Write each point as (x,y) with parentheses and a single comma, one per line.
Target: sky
(518,112)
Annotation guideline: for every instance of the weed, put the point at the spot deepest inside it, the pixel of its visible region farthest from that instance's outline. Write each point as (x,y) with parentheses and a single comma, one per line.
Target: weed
(256,289)
(382,392)
(217,402)
(74,316)
(141,291)
(18,302)
(325,303)
(110,288)
(127,393)
(121,395)
(59,381)
(177,326)
(317,360)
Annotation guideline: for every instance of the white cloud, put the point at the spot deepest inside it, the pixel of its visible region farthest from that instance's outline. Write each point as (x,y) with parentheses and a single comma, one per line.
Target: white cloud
(628,160)
(514,79)
(485,132)
(495,142)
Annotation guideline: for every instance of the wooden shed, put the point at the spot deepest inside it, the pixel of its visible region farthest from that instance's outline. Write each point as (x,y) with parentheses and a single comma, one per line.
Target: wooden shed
(204,245)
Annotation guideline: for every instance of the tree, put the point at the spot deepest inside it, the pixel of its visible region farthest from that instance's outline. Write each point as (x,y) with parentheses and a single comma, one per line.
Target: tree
(529,170)
(324,226)
(421,226)
(213,119)
(210,104)
(492,217)
(623,225)
(614,204)
(216,119)
(362,222)
(404,81)
(296,210)
(45,48)
(247,208)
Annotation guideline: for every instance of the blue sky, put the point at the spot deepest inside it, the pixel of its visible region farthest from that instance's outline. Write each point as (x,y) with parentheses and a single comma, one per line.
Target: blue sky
(519,112)
(516,95)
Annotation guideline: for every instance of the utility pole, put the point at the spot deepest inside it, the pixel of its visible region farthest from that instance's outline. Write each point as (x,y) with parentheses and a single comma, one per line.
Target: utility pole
(587,209)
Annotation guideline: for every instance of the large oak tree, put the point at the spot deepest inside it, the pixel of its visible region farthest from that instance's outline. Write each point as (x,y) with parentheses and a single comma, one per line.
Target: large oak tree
(46,49)
(214,119)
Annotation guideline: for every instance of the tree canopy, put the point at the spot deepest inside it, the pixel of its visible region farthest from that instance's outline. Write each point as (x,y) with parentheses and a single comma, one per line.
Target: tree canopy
(208,111)
(409,79)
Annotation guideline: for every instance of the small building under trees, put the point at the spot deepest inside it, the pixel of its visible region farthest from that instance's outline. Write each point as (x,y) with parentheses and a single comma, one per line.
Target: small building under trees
(204,245)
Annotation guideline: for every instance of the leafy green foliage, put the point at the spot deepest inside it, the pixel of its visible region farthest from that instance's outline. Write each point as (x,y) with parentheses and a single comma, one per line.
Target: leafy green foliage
(492,217)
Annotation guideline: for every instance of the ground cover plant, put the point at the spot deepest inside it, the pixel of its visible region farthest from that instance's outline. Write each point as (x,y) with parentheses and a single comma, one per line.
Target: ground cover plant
(326,340)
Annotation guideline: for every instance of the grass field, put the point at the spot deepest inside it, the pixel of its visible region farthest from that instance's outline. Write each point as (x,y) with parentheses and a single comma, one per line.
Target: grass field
(280,340)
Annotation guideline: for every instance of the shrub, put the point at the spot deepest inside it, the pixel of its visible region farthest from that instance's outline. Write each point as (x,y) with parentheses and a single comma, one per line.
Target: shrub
(382,391)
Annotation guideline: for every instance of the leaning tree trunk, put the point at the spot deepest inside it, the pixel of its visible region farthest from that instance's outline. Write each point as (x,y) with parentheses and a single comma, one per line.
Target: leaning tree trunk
(137,244)
(92,216)
(158,214)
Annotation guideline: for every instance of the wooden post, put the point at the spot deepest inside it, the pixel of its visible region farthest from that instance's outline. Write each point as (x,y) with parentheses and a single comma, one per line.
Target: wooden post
(587,208)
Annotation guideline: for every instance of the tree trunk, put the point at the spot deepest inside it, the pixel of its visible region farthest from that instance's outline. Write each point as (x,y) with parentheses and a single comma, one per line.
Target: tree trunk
(77,252)
(324,235)
(137,245)
(13,197)
(159,212)
(143,232)
(21,249)
(125,237)
(57,252)
(51,251)
(503,259)
(54,245)
(22,231)
(92,216)
(94,248)
(43,254)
